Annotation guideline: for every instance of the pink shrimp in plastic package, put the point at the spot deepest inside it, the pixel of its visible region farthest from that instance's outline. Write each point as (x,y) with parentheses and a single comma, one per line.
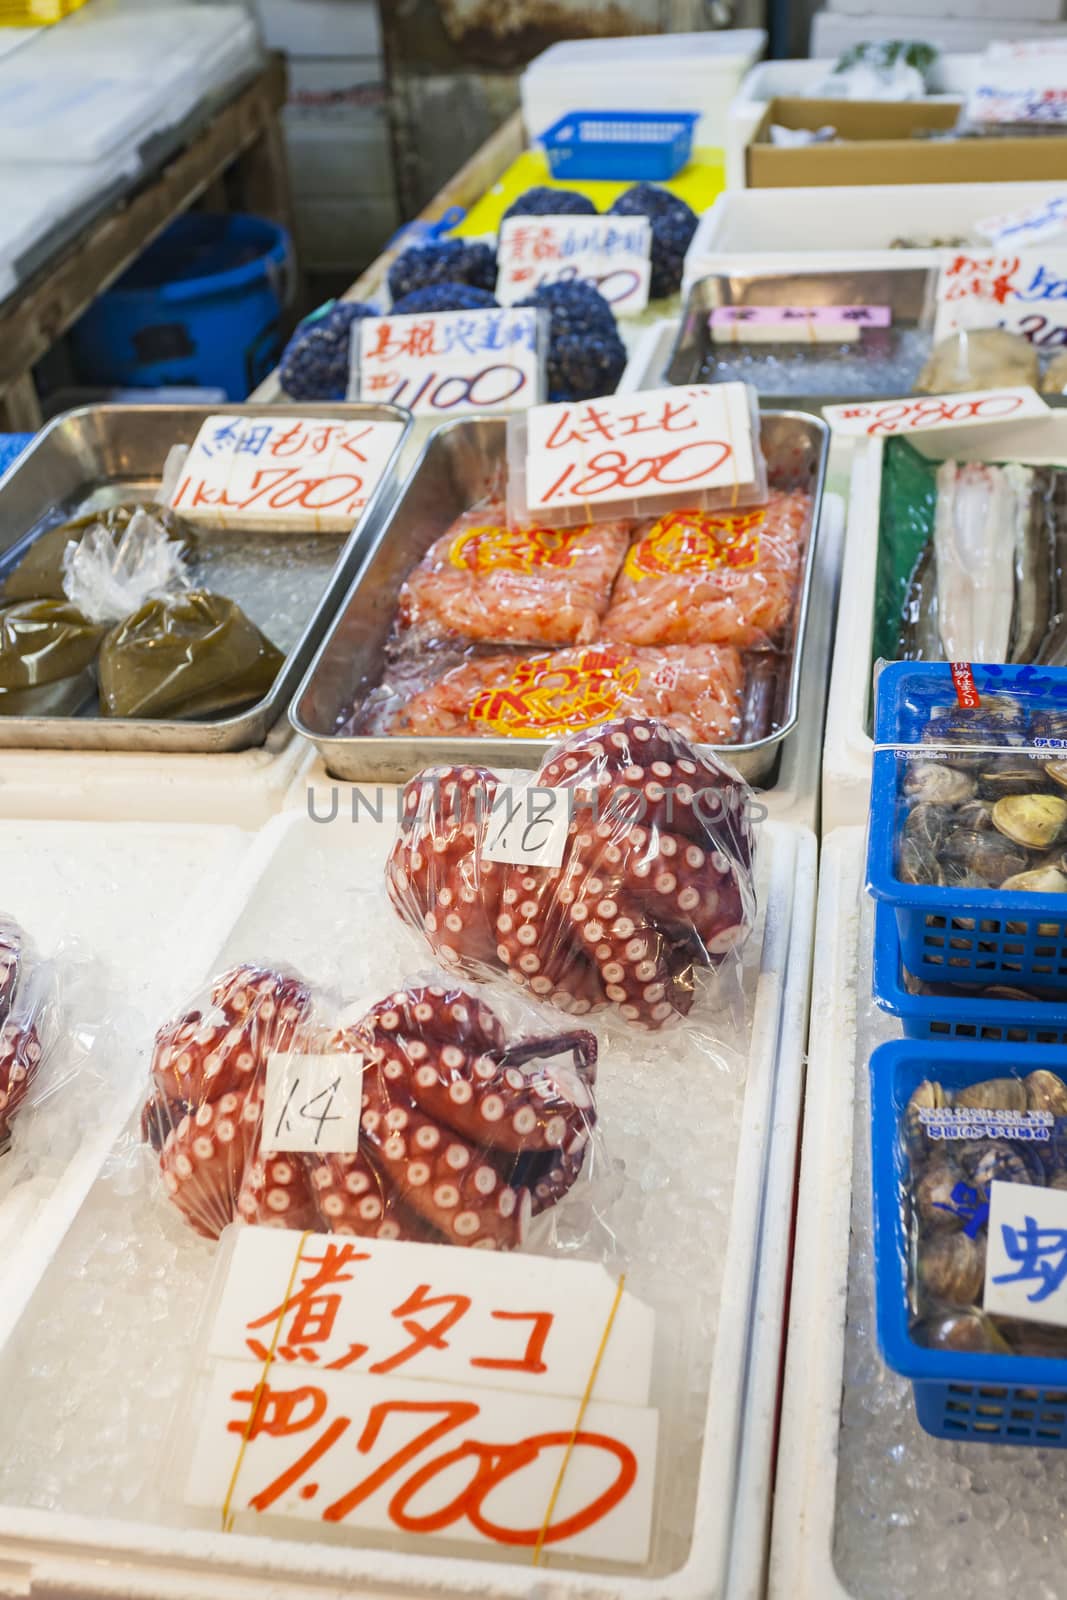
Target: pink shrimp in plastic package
(428,1116)
(629,872)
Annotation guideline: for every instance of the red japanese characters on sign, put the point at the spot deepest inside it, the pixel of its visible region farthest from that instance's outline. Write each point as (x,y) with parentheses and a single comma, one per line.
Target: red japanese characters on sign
(252,471)
(366,1381)
(682,441)
(882,418)
(451,362)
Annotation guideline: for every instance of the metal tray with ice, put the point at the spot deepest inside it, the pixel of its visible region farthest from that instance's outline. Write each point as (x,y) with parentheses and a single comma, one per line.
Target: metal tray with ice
(458,462)
(287,584)
(883,364)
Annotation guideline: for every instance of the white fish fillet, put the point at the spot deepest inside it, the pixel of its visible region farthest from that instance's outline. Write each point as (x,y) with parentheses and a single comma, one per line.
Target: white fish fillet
(978,511)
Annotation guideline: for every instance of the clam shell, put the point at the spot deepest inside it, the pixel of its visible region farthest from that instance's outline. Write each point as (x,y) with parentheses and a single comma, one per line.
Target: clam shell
(1037,821)
(961,1330)
(993,1094)
(950,1267)
(1057,771)
(1039,880)
(938,782)
(1046,1091)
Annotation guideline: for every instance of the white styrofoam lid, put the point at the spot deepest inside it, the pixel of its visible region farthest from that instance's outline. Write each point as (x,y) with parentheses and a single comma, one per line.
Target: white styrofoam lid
(648,50)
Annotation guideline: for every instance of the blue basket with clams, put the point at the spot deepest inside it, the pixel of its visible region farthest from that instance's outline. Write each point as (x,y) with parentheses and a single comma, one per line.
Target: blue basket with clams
(997,1013)
(968,822)
(949,1126)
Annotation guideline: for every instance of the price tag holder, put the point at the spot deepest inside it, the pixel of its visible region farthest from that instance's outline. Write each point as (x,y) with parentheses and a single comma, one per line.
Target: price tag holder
(1026,1253)
(313,1103)
(880,419)
(527,826)
(449,363)
(612,254)
(345,1380)
(636,454)
(795,324)
(284,473)
(1024,292)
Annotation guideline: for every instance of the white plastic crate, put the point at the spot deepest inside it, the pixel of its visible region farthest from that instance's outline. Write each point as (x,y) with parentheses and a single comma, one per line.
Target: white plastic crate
(975,1517)
(839,228)
(849,748)
(832,32)
(310,878)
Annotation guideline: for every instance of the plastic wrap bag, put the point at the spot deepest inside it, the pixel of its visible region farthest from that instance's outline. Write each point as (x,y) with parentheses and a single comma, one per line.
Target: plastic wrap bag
(471,1120)
(731,578)
(47,650)
(698,688)
(655,885)
(531,585)
(955,1143)
(978,358)
(40,573)
(185,655)
(116,565)
(882,69)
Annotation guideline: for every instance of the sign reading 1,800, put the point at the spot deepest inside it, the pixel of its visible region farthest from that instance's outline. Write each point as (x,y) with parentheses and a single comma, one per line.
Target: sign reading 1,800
(446,363)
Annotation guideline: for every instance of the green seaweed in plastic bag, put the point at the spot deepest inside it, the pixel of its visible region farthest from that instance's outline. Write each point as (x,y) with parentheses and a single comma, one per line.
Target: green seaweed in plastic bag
(47,650)
(39,574)
(191,654)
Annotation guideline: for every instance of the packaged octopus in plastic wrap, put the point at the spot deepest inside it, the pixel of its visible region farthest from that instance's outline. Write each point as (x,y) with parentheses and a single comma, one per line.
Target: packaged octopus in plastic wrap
(429,1114)
(650,891)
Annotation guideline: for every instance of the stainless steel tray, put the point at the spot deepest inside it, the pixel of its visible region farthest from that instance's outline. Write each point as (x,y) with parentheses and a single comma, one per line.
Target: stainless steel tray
(907,291)
(453,471)
(121,449)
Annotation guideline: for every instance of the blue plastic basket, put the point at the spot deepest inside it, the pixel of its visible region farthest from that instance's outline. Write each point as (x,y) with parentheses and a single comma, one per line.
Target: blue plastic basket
(620,145)
(994,1399)
(951,934)
(940,1016)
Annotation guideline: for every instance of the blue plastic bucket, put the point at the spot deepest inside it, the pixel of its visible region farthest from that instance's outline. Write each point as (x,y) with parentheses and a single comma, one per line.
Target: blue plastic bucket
(201,306)
(994,1399)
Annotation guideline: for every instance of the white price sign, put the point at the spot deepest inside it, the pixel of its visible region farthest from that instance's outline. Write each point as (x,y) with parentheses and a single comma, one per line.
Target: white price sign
(283,472)
(427,1390)
(660,442)
(527,826)
(613,254)
(313,1103)
(1024,291)
(878,419)
(1026,1253)
(448,363)
(1028,227)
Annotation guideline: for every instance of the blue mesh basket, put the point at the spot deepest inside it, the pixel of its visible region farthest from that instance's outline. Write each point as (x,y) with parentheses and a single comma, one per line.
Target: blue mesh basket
(943,1016)
(957,934)
(992,1399)
(620,145)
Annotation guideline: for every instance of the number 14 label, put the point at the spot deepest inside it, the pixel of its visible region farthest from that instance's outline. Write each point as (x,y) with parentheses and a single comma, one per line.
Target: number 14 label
(313,1103)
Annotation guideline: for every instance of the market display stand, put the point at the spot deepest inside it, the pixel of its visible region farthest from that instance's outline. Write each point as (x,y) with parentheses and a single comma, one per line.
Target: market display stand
(241,146)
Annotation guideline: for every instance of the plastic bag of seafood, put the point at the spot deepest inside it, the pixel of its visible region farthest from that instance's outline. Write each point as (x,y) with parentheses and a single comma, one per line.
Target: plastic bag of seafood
(968,821)
(425,1114)
(953,1129)
(619,876)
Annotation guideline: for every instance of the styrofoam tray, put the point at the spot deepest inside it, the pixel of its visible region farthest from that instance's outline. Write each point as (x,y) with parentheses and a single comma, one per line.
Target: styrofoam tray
(990,1490)
(310,882)
(839,228)
(139,898)
(849,749)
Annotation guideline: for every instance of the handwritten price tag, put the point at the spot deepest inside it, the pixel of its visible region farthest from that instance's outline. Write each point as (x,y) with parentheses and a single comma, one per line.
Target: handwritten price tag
(527,826)
(881,418)
(613,254)
(795,324)
(426,1390)
(1025,293)
(654,450)
(1026,1253)
(452,362)
(285,472)
(312,1102)
(990,105)
(1029,227)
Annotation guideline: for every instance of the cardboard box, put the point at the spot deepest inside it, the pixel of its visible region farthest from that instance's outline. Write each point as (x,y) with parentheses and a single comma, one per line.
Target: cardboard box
(880,142)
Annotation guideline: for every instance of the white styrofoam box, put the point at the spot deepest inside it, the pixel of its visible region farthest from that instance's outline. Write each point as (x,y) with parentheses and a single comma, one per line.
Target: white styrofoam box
(664,72)
(342,234)
(320,27)
(246,788)
(832,32)
(849,750)
(337,88)
(844,227)
(951,78)
(969,10)
(335,160)
(305,887)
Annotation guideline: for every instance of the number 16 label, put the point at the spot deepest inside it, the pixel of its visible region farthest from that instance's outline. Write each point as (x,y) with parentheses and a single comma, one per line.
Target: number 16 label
(313,1103)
